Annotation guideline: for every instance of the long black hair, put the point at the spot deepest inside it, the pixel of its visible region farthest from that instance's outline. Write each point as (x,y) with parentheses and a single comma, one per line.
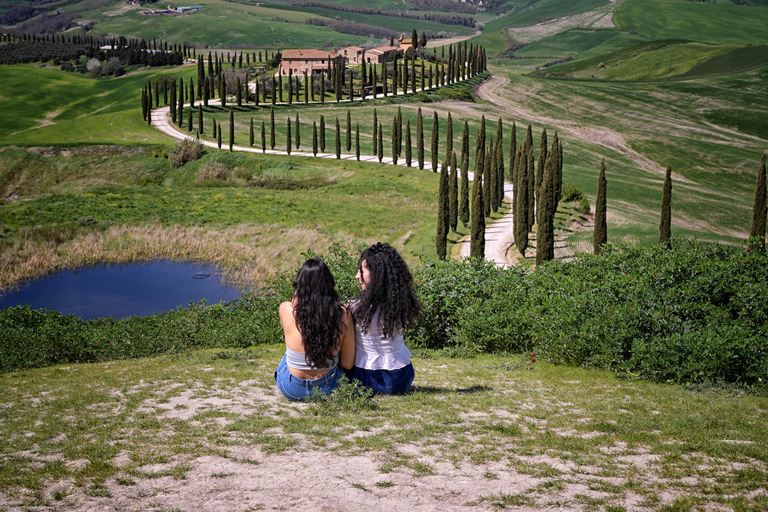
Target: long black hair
(389,290)
(318,314)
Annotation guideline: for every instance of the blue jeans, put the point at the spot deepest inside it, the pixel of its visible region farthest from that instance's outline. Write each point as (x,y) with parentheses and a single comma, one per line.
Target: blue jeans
(384,382)
(296,389)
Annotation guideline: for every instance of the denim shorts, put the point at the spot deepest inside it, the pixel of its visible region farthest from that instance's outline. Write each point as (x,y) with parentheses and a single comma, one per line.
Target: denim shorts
(384,382)
(296,389)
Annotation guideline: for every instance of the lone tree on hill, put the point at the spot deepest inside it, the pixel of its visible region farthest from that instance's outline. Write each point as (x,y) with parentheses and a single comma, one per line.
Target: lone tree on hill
(665,224)
(759,211)
(600,235)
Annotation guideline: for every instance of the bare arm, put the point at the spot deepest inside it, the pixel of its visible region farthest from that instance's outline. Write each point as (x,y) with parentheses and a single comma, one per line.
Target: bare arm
(347,352)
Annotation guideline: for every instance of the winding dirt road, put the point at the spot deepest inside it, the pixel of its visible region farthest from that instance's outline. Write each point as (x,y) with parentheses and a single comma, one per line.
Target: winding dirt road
(498,236)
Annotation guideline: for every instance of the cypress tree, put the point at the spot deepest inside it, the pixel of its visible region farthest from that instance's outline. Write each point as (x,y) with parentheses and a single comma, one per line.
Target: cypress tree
(408,143)
(314,138)
(665,223)
(477,231)
(357,141)
(373,81)
(189,120)
(223,90)
(200,127)
(290,87)
(398,139)
(322,88)
(380,151)
(435,135)
(464,193)
(520,201)
(215,128)
(453,195)
(219,137)
(545,234)
(298,132)
(384,80)
(180,109)
(488,186)
(279,87)
(263,137)
(480,147)
(251,138)
(759,210)
(512,153)
(600,234)
(306,89)
(273,95)
(559,170)
(322,134)
(499,173)
(442,212)
(272,128)
(288,135)
(420,139)
(349,127)
(531,175)
(231,129)
(338,138)
(239,93)
(375,132)
(493,177)
(449,136)
(394,136)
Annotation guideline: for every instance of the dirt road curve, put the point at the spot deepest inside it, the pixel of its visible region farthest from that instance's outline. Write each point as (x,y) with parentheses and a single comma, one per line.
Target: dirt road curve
(498,235)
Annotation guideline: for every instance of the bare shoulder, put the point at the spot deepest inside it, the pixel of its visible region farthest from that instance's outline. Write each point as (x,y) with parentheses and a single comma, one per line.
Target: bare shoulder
(286,309)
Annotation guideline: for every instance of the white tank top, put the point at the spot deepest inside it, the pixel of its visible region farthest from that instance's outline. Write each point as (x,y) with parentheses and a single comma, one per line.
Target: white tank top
(374,353)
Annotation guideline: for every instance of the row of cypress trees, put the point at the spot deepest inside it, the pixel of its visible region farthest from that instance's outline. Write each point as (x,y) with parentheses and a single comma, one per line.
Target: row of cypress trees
(757,230)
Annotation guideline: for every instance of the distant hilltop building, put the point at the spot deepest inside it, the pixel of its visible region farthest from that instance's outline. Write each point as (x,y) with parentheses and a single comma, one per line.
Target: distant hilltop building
(178,10)
(297,61)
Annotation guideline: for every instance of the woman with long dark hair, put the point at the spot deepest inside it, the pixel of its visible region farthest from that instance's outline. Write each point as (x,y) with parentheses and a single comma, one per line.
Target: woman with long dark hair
(319,335)
(383,310)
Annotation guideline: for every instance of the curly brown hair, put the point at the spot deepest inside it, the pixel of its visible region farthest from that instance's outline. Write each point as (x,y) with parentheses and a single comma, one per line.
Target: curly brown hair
(389,291)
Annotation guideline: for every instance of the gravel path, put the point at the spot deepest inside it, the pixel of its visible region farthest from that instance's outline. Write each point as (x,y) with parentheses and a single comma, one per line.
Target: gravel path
(498,236)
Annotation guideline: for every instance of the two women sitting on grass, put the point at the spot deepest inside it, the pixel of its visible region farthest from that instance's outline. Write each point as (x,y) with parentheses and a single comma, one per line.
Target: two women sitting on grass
(322,339)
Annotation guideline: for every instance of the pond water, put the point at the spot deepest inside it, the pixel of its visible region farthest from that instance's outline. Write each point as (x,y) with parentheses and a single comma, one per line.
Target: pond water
(124,290)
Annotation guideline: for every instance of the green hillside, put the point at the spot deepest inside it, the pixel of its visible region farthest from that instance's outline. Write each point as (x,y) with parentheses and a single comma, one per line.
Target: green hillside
(720,23)
(580,43)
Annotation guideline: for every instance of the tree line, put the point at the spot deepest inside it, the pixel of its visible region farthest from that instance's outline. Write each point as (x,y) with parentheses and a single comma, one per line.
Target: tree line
(445,19)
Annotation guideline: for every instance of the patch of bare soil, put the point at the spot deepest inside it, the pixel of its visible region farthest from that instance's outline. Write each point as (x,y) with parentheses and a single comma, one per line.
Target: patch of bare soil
(601,17)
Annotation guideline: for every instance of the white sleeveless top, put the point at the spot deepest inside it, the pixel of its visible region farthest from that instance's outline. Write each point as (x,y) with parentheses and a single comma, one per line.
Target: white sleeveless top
(374,353)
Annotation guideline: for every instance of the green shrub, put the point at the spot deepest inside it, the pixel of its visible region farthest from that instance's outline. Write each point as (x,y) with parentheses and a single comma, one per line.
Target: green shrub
(695,313)
(571,193)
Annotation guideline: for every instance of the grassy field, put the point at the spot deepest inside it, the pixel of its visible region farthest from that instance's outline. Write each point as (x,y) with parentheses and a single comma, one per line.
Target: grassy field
(713,151)
(151,433)
(719,23)
(246,26)
(48,106)
(404,25)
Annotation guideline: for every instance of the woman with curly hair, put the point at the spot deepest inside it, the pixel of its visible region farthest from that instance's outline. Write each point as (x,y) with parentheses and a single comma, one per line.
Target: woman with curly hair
(319,335)
(383,310)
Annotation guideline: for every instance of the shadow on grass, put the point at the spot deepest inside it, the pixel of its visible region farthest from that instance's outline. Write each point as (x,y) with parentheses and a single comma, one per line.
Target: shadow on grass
(436,390)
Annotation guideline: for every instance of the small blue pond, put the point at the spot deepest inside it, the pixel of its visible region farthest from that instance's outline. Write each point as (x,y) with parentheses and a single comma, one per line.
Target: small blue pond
(121,291)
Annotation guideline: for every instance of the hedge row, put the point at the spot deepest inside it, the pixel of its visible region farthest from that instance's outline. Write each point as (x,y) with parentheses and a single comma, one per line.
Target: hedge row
(696,313)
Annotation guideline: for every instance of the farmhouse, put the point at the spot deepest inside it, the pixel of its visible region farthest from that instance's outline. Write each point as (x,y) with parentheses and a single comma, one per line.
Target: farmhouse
(382,54)
(404,43)
(352,54)
(299,61)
